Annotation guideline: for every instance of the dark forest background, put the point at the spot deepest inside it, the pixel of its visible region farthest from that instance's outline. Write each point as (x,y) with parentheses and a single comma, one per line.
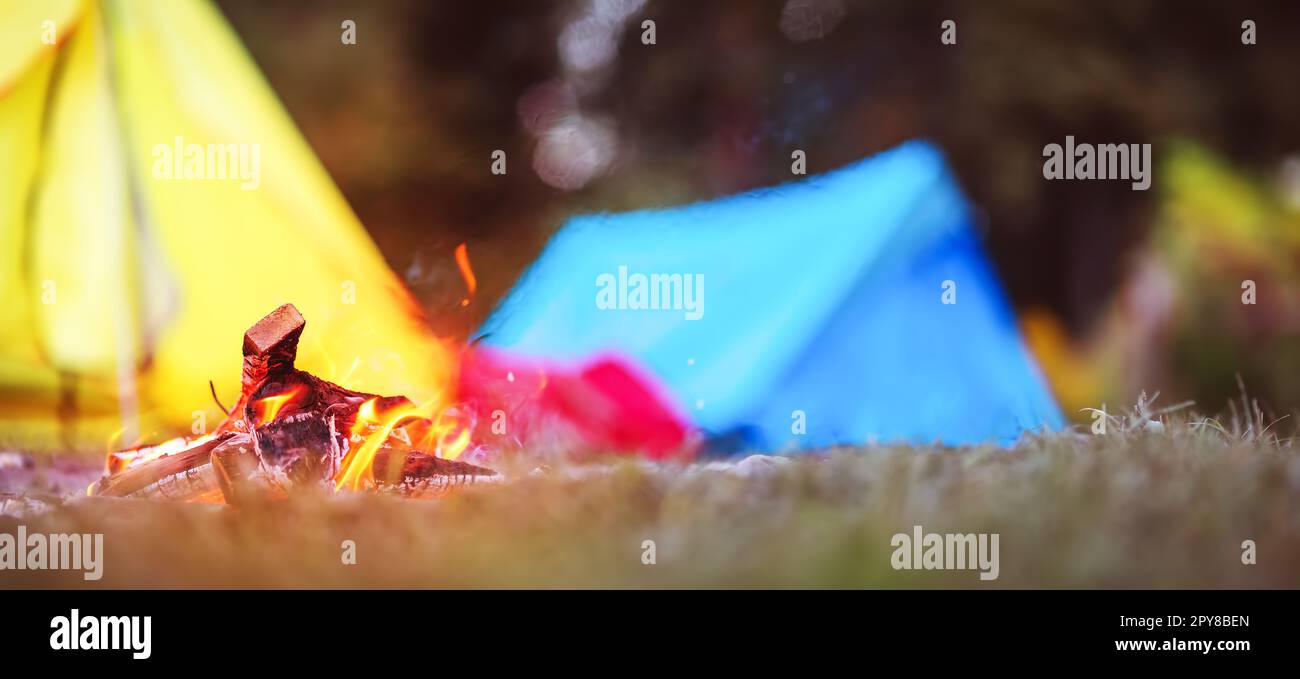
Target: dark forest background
(591,119)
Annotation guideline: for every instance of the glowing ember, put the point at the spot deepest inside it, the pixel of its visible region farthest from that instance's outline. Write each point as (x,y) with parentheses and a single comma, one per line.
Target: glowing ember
(211,497)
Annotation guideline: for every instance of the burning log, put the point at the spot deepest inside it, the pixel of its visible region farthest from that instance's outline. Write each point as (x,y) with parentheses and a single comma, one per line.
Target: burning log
(422,475)
(271,386)
(305,447)
(288,429)
(179,475)
(239,474)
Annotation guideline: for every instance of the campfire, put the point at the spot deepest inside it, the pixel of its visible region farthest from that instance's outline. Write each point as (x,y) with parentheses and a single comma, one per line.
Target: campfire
(292,430)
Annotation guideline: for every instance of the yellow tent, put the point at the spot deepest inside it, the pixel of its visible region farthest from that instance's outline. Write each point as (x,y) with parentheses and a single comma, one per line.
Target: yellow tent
(155,201)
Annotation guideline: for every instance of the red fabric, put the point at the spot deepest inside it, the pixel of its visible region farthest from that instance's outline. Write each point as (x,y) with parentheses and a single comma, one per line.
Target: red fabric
(605,404)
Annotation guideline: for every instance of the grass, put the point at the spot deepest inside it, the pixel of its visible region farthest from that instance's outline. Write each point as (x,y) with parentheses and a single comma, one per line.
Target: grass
(1163,499)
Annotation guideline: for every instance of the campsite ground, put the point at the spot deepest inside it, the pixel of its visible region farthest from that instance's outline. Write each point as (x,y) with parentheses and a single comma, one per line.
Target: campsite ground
(1145,505)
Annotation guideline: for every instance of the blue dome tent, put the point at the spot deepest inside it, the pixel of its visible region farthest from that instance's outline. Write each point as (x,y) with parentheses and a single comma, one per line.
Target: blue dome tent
(852,307)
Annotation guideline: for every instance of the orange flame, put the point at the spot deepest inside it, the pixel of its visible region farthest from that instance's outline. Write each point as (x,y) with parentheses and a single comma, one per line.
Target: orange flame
(466,272)
(373,427)
(448,437)
(444,436)
(452,449)
(267,408)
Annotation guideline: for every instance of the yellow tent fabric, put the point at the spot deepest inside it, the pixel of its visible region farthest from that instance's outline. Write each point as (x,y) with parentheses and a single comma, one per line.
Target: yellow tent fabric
(155,201)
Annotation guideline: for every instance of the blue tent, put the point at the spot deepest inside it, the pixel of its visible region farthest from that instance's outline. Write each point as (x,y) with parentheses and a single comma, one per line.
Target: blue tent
(852,307)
